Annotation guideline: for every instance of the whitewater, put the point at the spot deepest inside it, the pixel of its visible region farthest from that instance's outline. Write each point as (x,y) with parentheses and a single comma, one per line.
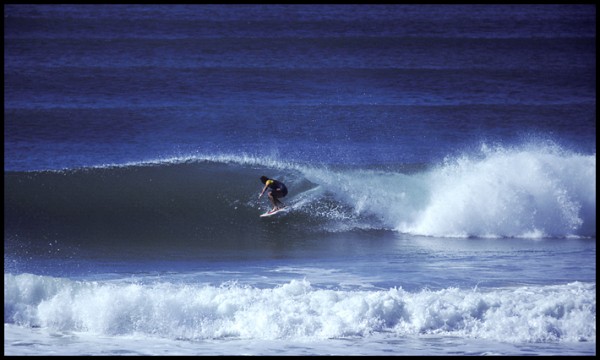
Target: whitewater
(298,311)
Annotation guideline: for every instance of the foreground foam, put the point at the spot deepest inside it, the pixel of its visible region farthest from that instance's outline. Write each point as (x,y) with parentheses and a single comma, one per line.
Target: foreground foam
(297,310)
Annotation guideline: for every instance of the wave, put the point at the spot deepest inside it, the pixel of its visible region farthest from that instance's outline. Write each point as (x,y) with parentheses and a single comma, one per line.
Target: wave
(531,192)
(516,192)
(299,311)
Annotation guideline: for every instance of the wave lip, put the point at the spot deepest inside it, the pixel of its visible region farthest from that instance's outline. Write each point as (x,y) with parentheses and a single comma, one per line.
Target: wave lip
(297,310)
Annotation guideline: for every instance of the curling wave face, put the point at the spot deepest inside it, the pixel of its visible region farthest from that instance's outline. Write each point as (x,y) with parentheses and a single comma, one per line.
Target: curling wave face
(532,192)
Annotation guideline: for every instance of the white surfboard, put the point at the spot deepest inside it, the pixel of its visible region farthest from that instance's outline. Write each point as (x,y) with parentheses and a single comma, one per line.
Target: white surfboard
(271,213)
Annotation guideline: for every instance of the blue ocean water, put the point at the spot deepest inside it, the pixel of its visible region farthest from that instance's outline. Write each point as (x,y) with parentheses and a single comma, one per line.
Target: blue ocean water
(440,161)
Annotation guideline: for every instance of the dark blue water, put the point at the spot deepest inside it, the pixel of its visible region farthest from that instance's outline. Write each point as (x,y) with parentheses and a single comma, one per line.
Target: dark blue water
(97,85)
(438,157)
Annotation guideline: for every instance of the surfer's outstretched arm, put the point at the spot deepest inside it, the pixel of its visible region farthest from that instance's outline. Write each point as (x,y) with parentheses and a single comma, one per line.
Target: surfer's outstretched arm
(263,191)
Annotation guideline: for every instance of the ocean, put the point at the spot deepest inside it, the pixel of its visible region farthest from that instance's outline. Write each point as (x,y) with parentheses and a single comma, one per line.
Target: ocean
(440,162)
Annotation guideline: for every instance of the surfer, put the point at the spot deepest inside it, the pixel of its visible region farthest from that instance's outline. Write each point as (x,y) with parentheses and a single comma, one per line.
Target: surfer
(277,190)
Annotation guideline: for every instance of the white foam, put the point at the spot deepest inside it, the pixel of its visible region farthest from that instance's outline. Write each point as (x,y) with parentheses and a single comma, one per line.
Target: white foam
(296,310)
(510,192)
(532,191)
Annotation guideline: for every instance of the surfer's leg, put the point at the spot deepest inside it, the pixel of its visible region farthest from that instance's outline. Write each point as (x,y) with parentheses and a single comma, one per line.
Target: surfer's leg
(279,194)
(273,196)
(279,203)
(273,201)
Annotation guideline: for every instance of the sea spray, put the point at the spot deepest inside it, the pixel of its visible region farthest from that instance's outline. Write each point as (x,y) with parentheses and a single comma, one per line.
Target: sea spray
(527,191)
(544,192)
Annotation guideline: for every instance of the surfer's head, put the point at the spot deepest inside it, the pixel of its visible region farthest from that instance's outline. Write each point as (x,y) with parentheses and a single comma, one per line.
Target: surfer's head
(264,179)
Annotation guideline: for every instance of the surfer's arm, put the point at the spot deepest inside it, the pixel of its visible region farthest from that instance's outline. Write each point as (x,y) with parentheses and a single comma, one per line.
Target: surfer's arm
(263,190)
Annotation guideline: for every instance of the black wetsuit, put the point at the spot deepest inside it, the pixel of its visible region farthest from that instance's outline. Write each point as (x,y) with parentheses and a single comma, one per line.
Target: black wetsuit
(276,188)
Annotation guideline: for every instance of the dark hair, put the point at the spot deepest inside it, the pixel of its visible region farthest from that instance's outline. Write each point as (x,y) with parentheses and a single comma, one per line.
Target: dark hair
(264,179)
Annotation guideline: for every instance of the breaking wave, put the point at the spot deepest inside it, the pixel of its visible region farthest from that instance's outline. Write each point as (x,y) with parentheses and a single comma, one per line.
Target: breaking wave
(533,192)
